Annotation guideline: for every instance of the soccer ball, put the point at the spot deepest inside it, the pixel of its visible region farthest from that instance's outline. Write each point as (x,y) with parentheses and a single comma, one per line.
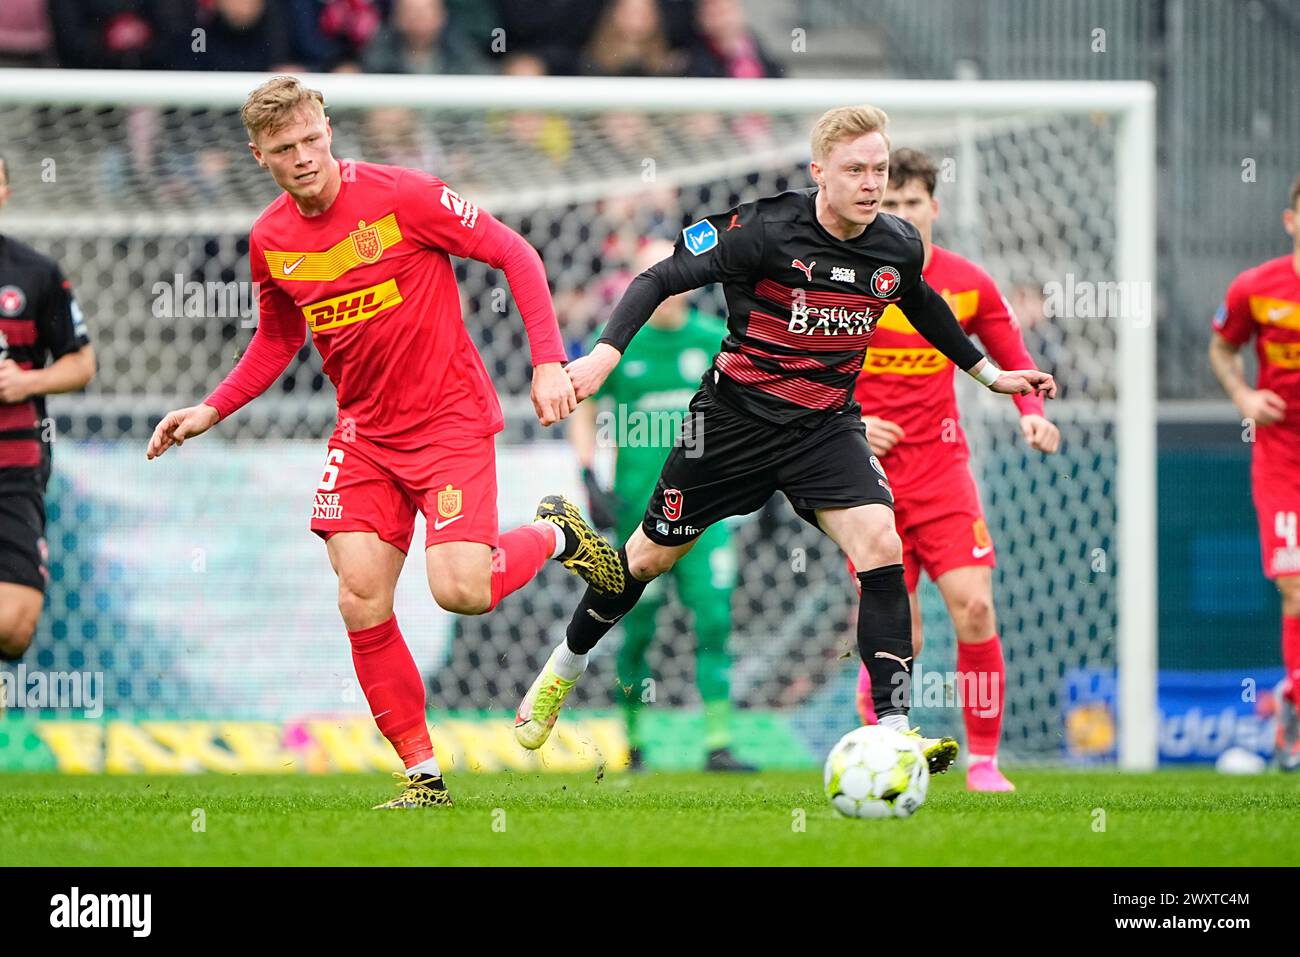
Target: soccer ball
(876,772)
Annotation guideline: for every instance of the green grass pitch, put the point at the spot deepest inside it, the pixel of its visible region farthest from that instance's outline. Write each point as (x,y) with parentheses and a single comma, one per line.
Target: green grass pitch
(775,818)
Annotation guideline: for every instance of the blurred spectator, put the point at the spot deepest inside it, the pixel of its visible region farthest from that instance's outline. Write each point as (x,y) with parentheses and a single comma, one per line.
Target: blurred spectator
(540,137)
(25,35)
(556,30)
(630,40)
(117,34)
(393,135)
(347,28)
(476,20)
(250,35)
(419,39)
(725,45)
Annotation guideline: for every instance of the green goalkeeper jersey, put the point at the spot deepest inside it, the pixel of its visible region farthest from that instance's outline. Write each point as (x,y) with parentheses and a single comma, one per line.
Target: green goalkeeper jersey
(644,400)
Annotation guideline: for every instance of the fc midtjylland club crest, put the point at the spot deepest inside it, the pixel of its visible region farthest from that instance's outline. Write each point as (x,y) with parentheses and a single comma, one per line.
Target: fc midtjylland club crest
(12,301)
(366,241)
(449,502)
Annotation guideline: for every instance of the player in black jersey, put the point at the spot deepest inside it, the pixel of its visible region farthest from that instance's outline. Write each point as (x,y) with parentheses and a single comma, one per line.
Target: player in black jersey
(39,320)
(807,274)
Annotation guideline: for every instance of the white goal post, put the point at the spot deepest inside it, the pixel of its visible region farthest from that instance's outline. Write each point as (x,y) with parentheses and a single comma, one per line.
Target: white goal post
(932,109)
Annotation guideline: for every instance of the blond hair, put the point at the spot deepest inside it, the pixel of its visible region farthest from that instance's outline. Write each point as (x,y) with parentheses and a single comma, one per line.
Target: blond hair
(844,123)
(272,106)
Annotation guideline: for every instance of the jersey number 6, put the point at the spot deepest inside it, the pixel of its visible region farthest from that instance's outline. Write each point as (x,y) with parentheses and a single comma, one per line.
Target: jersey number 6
(332,463)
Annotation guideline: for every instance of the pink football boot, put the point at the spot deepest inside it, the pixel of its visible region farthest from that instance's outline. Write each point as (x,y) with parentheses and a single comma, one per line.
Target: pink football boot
(985,776)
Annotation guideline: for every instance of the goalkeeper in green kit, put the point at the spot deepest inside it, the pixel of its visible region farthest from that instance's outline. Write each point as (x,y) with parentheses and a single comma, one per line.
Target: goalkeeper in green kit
(649,392)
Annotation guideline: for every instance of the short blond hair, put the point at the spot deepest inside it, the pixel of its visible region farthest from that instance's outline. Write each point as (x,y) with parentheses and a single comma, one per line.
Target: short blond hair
(846,123)
(273,105)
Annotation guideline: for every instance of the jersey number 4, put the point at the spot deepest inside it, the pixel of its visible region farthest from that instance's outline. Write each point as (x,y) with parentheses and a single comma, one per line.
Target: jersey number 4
(1284,527)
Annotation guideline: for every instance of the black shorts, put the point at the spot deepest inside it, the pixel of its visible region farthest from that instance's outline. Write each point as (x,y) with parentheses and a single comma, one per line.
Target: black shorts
(23,555)
(728,463)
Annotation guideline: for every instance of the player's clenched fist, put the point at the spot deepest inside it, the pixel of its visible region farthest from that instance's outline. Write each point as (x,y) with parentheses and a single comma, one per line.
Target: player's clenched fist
(180,425)
(1041,434)
(552,393)
(589,372)
(13,382)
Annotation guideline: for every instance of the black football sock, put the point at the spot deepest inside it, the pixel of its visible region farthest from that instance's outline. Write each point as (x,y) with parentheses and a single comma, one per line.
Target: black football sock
(885,638)
(597,614)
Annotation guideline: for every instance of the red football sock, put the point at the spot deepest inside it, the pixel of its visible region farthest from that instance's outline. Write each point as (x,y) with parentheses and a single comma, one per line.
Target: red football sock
(1291,654)
(983,693)
(866,709)
(518,558)
(394,689)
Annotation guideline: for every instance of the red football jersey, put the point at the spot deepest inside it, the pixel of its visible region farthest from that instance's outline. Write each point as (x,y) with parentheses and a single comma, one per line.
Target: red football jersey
(372,278)
(1264,302)
(907,381)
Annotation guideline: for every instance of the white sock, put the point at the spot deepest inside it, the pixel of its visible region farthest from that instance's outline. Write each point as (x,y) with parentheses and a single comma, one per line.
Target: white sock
(559,535)
(425,767)
(566,664)
(977,758)
(895,722)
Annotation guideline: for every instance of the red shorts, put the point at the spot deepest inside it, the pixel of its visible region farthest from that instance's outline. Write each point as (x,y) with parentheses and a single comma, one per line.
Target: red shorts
(1275,487)
(937,510)
(372,488)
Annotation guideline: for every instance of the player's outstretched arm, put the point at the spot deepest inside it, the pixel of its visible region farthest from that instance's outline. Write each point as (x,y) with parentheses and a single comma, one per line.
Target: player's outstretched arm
(644,295)
(704,253)
(281,331)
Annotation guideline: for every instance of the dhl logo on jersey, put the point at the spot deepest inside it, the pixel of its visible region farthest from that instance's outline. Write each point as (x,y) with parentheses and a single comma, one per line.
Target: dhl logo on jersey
(886,361)
(1278,313)
(364,245)
(1284,355)
(923,360)
(352,307)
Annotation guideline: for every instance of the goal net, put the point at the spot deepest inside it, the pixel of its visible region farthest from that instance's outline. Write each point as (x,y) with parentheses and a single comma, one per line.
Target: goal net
(192,583)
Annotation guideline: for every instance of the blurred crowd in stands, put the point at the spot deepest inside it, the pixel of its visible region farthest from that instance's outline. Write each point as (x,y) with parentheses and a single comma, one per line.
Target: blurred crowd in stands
(703,38)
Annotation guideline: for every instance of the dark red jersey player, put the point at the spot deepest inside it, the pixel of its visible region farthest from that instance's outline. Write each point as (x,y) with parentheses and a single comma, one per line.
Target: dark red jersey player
(44,349)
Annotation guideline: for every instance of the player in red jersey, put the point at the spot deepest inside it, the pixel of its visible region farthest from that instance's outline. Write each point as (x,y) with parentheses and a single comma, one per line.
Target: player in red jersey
(1264,303)
(359,253)
(910,408)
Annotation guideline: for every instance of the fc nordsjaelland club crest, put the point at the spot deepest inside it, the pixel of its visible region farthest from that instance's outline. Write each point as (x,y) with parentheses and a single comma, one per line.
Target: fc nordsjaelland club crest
(366,241)
(449,502)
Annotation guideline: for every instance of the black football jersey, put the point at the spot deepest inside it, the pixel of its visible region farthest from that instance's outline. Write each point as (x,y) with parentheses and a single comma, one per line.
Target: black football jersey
(39,321)
(802,305)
